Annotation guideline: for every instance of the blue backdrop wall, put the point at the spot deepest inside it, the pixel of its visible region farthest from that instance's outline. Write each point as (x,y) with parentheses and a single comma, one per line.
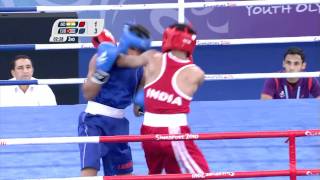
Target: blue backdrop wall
(262,58)
(215,23)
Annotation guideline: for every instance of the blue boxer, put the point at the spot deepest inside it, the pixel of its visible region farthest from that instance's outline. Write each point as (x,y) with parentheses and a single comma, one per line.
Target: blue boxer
(110,89)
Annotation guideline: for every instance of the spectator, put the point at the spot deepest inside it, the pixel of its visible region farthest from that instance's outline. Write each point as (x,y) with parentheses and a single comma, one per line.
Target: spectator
(291,88)
(110,89)
(21,68)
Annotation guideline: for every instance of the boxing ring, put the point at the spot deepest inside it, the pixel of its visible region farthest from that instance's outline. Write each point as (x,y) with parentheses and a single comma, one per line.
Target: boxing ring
(279,138)
(230,155)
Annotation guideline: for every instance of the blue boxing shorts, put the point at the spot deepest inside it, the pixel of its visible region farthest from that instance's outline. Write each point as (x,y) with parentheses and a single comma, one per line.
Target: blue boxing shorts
(116,157)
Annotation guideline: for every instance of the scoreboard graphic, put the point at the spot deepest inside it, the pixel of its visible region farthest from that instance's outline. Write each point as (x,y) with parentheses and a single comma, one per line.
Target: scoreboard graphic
(65,30)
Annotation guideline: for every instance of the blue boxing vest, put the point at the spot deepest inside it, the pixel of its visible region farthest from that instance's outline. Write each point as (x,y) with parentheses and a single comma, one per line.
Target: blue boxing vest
(119,91)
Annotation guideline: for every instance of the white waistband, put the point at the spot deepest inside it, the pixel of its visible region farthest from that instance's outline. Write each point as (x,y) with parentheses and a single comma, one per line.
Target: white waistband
(100,109)
(165,120)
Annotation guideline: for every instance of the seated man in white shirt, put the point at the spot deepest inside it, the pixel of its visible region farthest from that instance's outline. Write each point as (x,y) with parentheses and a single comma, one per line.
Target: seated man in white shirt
(25,95)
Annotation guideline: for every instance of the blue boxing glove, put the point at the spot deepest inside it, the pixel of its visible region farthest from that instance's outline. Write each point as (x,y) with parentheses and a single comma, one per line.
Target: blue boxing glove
(107,54)
(139,101)
(134,37)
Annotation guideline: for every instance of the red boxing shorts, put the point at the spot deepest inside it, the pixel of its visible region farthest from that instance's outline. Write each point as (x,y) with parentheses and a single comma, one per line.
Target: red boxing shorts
(172,156)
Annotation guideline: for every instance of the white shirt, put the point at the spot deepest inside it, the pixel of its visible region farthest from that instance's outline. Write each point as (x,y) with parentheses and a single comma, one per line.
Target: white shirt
(36,95)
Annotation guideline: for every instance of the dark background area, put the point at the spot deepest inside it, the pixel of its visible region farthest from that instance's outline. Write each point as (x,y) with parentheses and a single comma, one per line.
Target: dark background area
(231,59)
(35,28)
(253,58)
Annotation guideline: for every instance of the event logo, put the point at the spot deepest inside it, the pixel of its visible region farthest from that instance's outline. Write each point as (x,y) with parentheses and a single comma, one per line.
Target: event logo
(205,175)
(312,133)
(67,30)
(177,137)
(310,173)
(283,9)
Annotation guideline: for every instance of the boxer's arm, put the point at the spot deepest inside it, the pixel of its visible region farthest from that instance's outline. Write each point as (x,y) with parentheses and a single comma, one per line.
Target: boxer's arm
(138,100)
(133,61)
(100,63)
(138,107)
(99,66)
(90,88)
(195,77)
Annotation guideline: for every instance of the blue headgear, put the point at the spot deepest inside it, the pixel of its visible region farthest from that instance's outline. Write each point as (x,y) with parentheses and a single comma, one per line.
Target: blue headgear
(130,39)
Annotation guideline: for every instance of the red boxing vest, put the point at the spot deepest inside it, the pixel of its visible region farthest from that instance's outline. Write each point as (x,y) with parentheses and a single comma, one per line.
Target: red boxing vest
(162,96)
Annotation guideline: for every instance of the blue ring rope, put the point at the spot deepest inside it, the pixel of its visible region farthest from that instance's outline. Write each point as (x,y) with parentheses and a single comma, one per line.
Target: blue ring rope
(19,9)
(18,82)
(14,47)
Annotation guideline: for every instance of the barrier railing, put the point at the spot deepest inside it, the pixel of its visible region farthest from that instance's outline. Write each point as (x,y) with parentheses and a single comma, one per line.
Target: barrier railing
(293,172)
(208,77)
(203,42)
(214,175)
(154,6)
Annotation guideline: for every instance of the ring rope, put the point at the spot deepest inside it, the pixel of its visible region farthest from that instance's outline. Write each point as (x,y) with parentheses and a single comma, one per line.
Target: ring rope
(214,77)
(225,174)
(292,134)
(160,137)
(154,6)
(212,175)
(208,77)
(43,81)
(11,47)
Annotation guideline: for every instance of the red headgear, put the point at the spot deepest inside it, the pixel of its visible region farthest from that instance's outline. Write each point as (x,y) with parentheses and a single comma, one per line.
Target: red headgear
(179,40)
(104,36)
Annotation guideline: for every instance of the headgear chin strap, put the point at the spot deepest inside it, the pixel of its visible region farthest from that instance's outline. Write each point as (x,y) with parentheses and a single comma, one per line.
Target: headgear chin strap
(131,39)
(173,39)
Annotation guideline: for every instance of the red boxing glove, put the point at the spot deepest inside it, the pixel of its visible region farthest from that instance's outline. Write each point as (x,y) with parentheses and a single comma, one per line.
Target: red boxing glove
(104,36)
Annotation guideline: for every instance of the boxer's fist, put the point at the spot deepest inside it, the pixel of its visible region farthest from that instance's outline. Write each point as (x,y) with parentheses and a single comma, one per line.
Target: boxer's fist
(107,54)
(104,36)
